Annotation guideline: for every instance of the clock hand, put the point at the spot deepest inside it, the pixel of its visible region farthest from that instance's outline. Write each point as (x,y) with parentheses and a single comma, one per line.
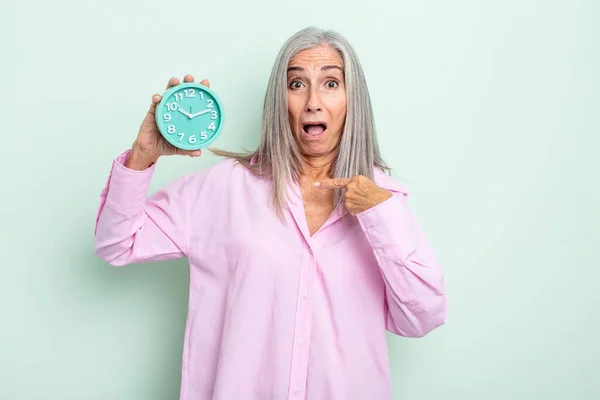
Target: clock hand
(201,112)
(181,110)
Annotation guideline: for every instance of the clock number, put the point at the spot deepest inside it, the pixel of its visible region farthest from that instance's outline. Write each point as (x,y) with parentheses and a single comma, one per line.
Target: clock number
(181,135)
(192,139)
(172,106)
(201,93)
(167,117)
(213,115)
(171,129)
(178,96)
(210,103)
(190,93)
(211,126)
(203,135)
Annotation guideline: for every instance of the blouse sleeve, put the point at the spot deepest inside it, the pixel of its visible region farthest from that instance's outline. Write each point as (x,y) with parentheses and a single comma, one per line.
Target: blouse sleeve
(132,227)
(415,284)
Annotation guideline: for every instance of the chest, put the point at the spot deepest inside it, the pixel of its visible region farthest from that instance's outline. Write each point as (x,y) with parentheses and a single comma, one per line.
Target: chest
(318,206)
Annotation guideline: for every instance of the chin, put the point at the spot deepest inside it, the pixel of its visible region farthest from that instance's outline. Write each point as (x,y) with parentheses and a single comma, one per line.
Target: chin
(316,149)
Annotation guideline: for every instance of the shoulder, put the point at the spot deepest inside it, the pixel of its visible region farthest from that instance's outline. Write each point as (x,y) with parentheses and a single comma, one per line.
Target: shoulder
(382,179)
(220,177)
(223,168)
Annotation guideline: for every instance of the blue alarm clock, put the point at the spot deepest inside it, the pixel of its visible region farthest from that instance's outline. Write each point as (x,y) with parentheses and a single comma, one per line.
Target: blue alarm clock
(189,116)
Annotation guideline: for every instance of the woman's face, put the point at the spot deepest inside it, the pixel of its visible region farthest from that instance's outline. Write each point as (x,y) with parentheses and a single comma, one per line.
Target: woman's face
(317,100)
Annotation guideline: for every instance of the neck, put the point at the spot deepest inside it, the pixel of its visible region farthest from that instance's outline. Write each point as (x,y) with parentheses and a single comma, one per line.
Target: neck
(315,168)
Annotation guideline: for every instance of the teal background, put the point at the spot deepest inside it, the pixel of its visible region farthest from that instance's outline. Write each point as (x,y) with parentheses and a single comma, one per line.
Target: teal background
(487,110)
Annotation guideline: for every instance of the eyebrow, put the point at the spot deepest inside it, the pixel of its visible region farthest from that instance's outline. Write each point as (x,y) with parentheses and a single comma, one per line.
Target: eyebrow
(325,68)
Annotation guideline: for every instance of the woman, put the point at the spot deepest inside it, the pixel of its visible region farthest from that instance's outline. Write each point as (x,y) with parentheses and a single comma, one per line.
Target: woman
(302,253)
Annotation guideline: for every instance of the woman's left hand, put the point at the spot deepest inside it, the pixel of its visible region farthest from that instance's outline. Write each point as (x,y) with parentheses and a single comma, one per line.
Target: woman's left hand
(361,192)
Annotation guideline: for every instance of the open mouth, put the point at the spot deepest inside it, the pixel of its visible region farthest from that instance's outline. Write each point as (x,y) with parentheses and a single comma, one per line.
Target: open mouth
(314,128)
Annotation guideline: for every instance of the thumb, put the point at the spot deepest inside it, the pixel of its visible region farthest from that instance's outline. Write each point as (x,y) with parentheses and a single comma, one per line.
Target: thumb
(190,153)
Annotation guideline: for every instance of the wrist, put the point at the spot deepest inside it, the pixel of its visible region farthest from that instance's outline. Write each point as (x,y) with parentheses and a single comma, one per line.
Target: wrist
(137,161)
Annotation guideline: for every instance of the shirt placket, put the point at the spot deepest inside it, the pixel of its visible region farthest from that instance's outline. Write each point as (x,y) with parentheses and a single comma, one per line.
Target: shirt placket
(299,367)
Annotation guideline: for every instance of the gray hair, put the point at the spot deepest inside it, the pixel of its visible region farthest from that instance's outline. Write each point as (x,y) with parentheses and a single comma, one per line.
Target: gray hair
(277,156)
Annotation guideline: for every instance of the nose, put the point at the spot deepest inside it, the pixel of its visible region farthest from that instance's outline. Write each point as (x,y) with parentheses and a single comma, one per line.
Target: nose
(313,103)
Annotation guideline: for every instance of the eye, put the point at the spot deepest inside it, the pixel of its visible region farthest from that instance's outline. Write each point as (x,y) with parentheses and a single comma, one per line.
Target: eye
(332,84)
(295,84)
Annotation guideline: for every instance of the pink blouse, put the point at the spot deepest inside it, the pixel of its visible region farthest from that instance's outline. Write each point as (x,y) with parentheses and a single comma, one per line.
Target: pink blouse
(275,313)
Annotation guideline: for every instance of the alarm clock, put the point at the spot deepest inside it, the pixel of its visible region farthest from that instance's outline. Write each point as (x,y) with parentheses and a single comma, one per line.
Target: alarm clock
(189,116)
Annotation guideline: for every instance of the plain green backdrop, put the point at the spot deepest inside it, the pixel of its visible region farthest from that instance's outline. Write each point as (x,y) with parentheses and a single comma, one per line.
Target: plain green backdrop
(487,110)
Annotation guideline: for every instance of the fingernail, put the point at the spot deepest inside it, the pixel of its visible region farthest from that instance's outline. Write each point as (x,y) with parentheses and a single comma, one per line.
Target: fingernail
(317,184)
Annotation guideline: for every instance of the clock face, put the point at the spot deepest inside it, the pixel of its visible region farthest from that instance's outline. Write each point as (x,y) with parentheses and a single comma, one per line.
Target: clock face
(189,116)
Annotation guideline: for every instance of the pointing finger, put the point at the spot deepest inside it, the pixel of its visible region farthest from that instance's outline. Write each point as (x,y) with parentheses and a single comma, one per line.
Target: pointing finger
(333,183)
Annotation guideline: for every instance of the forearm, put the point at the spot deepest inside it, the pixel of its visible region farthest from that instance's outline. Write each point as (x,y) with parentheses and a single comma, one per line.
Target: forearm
(414,280)
(130,227)
(415,293)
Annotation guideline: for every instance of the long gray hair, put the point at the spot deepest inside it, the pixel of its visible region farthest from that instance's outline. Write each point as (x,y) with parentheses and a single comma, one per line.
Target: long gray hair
(277,156)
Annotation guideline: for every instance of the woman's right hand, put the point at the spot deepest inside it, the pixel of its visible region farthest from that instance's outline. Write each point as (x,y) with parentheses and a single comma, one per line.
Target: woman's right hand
(150,144)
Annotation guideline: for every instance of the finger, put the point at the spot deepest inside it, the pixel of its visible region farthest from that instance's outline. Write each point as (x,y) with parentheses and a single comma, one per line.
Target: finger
(190,153)
(336,183)
(205,82)
(172,82)
(155,100)
(188,78)
(350,207)
(350,195)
